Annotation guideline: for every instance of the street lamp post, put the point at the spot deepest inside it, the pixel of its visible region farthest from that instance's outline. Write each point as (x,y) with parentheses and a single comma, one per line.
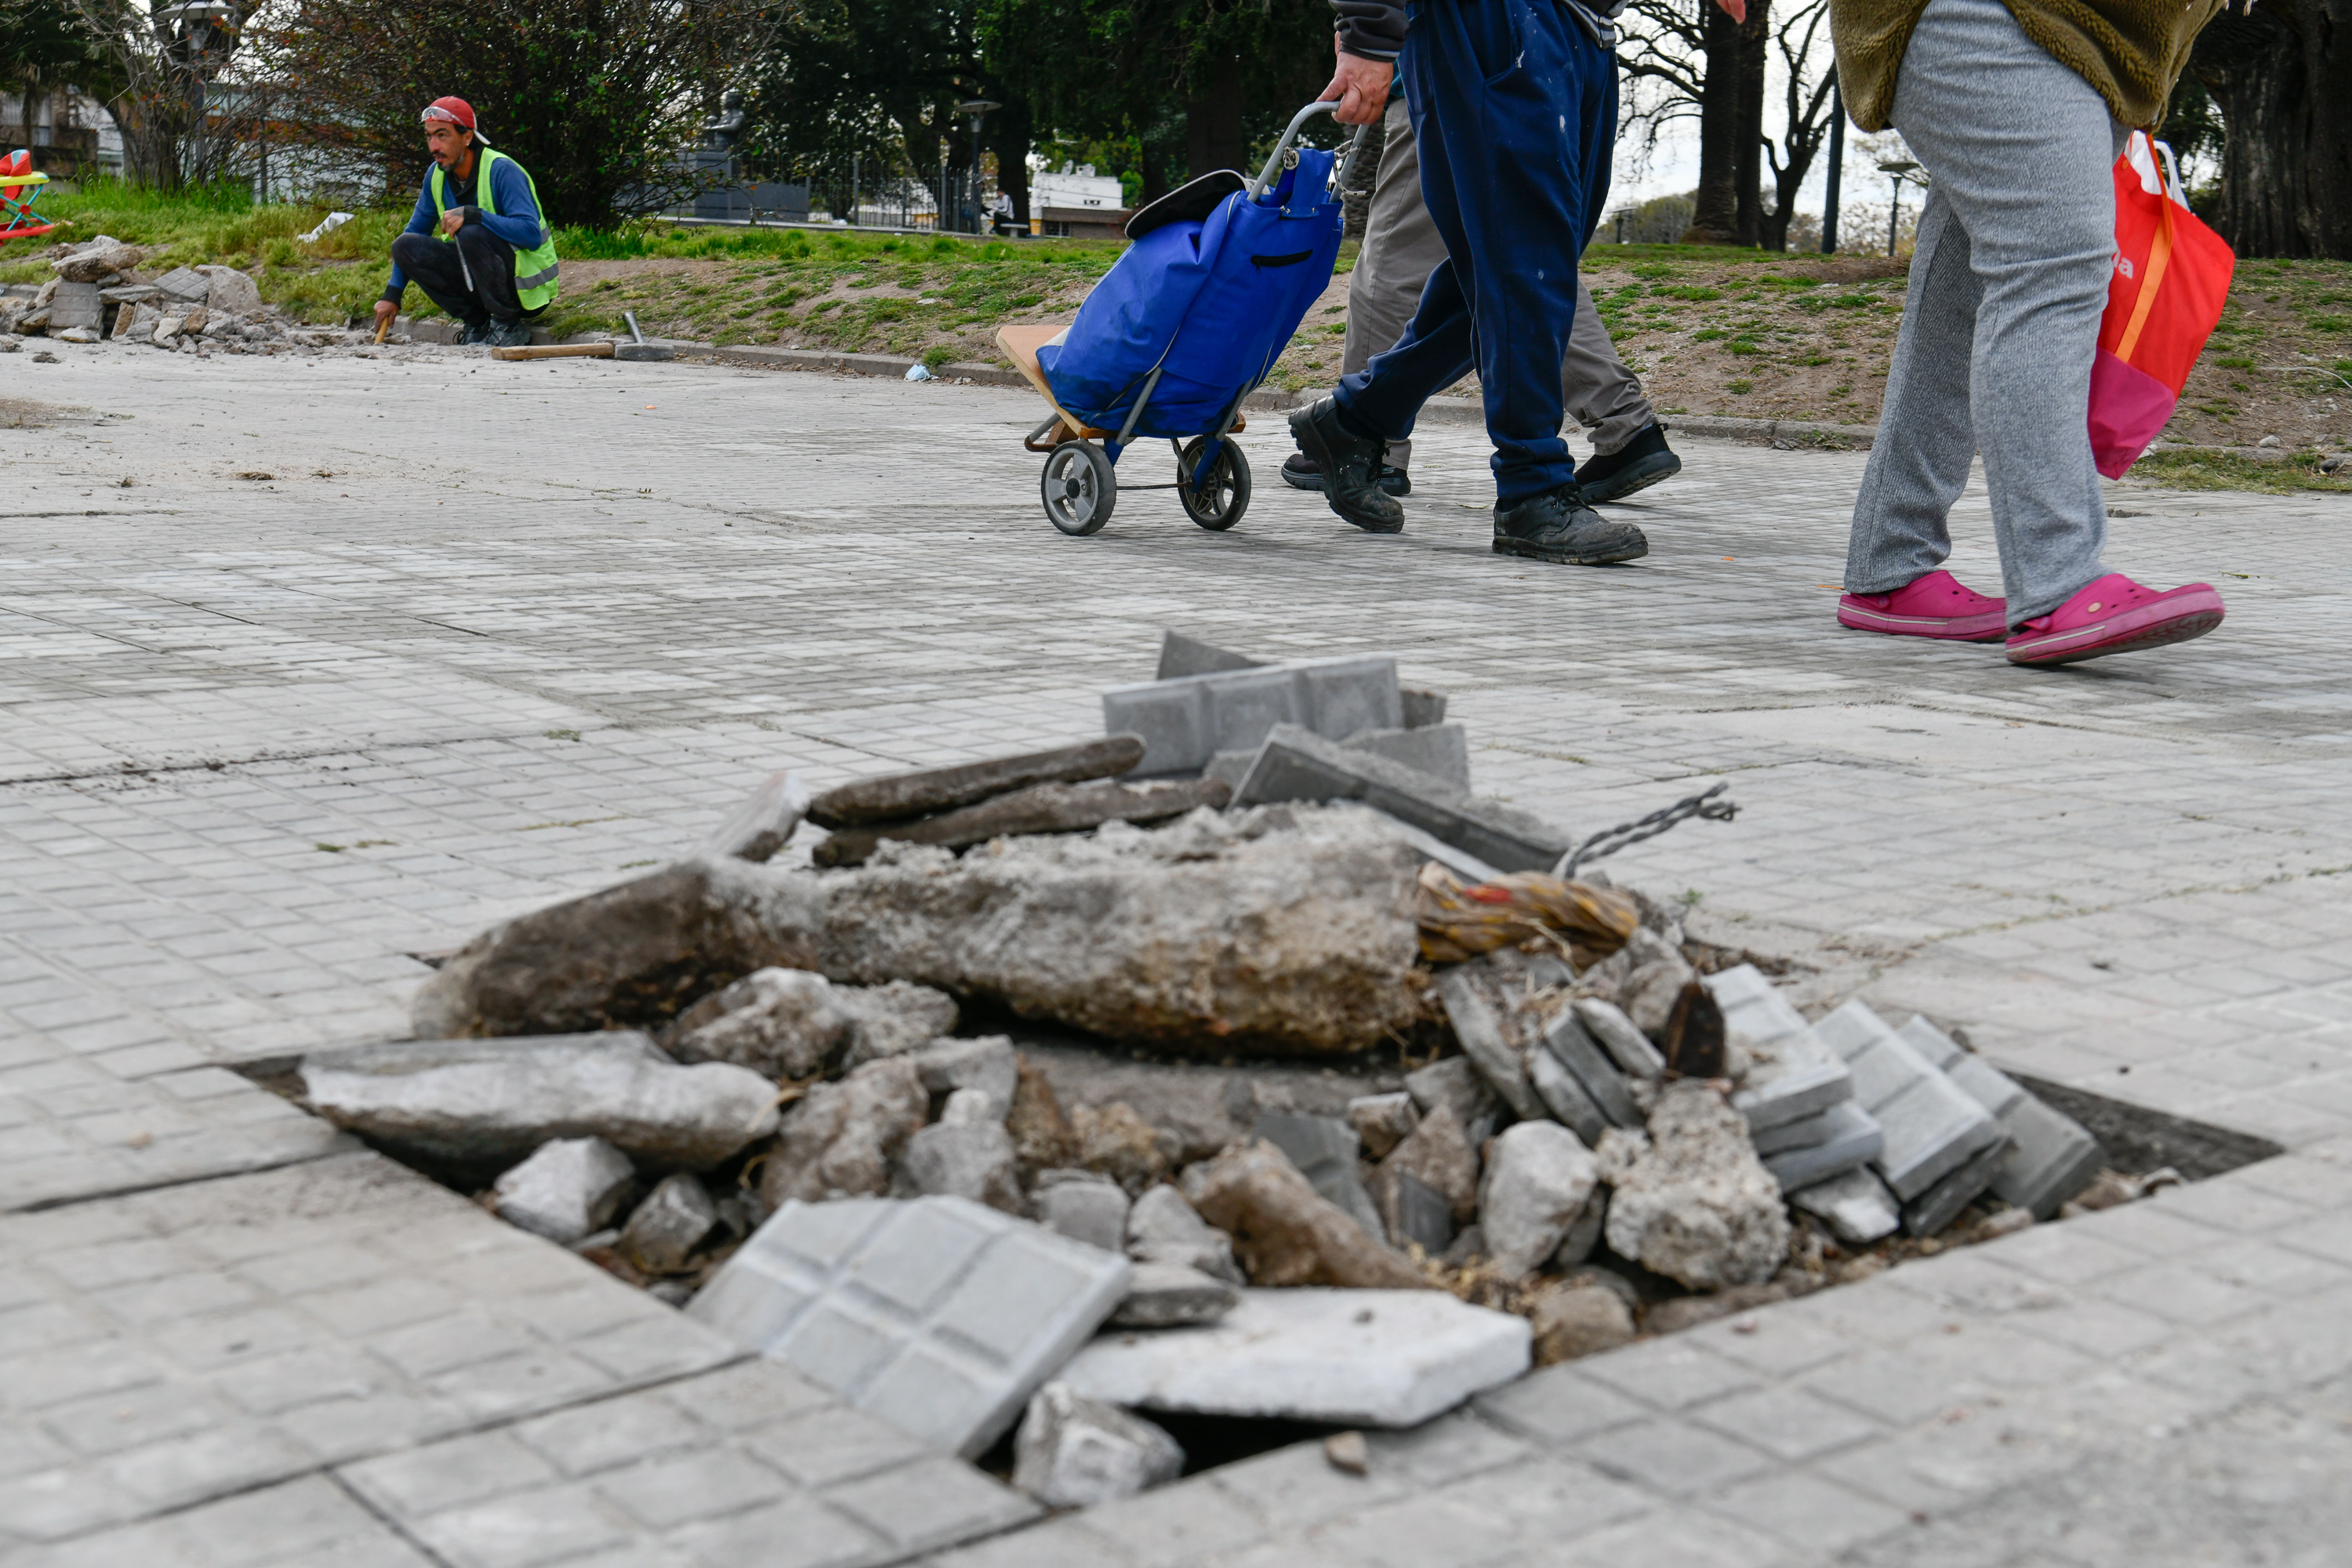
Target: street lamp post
(1897,172)
(1837,165)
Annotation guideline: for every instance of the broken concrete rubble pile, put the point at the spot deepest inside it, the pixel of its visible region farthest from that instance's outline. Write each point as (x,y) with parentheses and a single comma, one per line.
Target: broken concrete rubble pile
(1259,860)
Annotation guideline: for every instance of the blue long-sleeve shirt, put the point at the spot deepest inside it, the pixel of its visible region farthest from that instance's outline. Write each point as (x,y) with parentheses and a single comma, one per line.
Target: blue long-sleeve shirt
(517,220)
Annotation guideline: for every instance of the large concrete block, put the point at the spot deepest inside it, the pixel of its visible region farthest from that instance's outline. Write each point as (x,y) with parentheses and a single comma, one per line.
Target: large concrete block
(1185,721)
(937,1315)
(74,305)
(1295,764)
(1441,751)
(1850,1139)
(1933,1127)
(1370,1358)
(2051,1156)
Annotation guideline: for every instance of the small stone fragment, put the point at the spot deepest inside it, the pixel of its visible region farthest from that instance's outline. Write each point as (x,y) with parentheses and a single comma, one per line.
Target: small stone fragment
(1349,1452)
(1284,1233)
(966,1154)
(1456,1083)
(1439,1155)
(1042,1136)
(1584,1232)
(1697,1205)
(1414,1216)
(1324,1148)
(1657,982)
(1082,1206)
(1074,1453)
(1573,1321)
(1165,1295)
(567,1188)
(762,825)
(1695,1044)
(894,1017)
(780,1023)
(896,795)
(1114,1139)
(839,1140)
(1162,1227)
(1538,1179)
(985,1063)
(676,1216)
(1382,1120)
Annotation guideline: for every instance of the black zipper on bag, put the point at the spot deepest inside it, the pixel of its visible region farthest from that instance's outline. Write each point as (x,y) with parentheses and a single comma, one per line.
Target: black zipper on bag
(1291,260)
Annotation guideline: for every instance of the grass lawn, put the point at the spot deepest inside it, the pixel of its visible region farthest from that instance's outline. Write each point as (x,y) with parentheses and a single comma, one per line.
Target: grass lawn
(1710,331)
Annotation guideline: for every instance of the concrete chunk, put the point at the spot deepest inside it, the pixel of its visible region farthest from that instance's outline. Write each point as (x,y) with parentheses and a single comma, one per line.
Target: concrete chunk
(1614,1032)
(1423,708)
(1565,1098)
(1382,1120)
(780,1023)
(1367,1358)
(925,790)
(1856,1205)
(1933,1127)
(1693,1202)
(1040,808)
(1162,1227)
(1567,1041)
(1850,1139)
(966,1154)
(1441,751)
(664,1231)
(1083,1206)
(986,1064)
(1324,1148)
(1296,764)
(1180,656)
(1539,1178)
(2051,1156)
(763,824)
(1456,1083)
(567,1188)
(1074,1452)
(1284,1233)
(936,1314)
(1184,721)
(468,1103)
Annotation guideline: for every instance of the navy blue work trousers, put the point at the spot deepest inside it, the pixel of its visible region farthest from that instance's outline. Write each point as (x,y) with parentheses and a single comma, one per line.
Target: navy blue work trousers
(1515,108)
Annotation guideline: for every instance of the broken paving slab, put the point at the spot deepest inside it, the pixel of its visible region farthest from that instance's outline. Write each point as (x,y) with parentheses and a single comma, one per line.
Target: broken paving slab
(1295,764)
(1933,1127)
(935,1314)
(2052,1156)
(1040,808)
(1186,721)
(1856,1204)
(1850,1138)
(895,797)
(765,824)
(1793,1073)
(1369,1358)
(1441,751)
(1567,1040)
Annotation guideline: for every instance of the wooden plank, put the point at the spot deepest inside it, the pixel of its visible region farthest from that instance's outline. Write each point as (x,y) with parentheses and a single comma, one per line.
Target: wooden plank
(556,351)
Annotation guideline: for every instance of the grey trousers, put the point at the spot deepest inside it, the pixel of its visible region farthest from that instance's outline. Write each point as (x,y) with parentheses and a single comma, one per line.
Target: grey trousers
(2008,283)
(1402,249)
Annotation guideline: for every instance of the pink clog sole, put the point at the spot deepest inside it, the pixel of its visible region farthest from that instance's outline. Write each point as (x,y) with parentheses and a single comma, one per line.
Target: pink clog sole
(2168,620)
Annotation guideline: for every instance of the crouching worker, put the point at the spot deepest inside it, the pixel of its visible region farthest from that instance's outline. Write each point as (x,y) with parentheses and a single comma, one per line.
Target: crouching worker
(476,244)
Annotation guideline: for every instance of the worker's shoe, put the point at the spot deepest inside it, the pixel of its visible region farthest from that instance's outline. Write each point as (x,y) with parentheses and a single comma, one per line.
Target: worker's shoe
(1637,466)
(474,331)
(1351,467)
(508,334)
(1557,526)
(2116,615)
(1301,472)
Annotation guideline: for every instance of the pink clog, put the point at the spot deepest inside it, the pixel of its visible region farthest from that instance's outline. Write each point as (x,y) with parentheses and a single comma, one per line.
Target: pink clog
(2116,615)
(1936,605)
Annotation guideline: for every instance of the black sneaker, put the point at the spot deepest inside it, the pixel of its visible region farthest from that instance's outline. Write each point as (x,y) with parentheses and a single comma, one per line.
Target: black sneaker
(1557,526)
(1300,472)
(1637,466)
(476,332)
(1348,466)
(508,334)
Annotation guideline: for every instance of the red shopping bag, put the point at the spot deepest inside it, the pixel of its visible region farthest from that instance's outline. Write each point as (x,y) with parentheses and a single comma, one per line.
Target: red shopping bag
(2171,280)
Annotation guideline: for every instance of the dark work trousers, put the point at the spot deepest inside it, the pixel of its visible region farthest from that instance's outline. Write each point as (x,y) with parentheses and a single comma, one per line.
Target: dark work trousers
(440,267)
(1515,109)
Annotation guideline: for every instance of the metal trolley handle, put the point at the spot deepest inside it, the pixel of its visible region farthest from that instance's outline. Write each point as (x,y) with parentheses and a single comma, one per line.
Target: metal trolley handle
(1282,156)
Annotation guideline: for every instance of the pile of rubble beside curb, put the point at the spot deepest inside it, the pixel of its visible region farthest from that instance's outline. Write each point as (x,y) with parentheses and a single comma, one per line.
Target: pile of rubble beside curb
(1348,1103)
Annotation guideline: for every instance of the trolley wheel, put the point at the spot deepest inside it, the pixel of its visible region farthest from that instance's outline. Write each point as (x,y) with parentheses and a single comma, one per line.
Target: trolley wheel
(1217,503)
(1079,487)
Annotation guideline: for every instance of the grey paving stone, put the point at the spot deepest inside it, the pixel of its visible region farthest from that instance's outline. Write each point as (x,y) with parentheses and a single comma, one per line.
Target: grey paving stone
(936,1314)
(2051,1156)
(1185,720)
(300,1522)
(1932,1127)
(1850,1138)
(1796,1074)
(1441,751)
(1567,1040)
(1856,1204)
(1295,764)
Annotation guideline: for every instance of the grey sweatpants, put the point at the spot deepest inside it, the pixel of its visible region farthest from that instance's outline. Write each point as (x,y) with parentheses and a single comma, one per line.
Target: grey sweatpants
(2008,283)
(1402,249)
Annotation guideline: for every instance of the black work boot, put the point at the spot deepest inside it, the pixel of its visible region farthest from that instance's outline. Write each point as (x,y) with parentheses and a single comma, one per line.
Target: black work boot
(1557,526)
(1637,466)
(1351,468)
(1301,472)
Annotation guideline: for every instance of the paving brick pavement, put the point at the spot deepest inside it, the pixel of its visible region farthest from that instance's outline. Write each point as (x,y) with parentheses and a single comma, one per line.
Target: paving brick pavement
(494,634)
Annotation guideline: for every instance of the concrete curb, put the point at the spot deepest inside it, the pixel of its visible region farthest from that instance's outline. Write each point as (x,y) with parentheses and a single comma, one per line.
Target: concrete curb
(1786,434)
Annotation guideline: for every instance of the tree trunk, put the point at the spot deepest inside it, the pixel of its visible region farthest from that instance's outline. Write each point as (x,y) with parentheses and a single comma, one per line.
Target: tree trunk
(1011,133)
(1748,126)
(2279,76)
(1716,218)
(1212,122)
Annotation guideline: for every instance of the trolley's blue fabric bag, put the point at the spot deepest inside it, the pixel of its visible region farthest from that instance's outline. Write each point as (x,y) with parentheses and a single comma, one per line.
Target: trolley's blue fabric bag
(1211,304)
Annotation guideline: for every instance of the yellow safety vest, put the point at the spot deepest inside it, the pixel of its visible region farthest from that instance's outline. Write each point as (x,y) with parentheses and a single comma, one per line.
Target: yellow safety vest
(534,268)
